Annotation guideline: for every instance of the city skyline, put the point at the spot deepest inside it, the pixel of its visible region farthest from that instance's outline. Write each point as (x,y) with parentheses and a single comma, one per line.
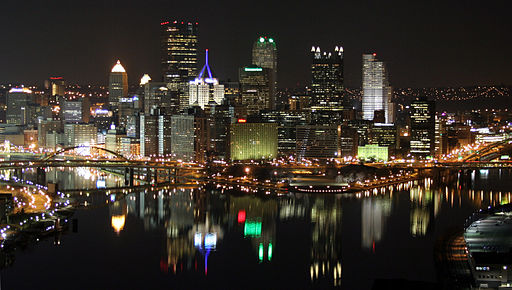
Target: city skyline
(439,46)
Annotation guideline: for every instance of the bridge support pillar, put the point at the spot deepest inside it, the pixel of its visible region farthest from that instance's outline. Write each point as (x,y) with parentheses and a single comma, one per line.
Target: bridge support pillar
(18,173)
(148,175)
(41,176)
(128,176)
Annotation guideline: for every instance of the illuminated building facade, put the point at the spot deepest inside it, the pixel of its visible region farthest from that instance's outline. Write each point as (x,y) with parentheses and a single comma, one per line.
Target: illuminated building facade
(376,89)
(80,134)
(441,136)
(20,104)
(148,137)
(383,135)
(113,140)
(255,89)
(55,86)
(264,54)
(182,137)
(423,114)
(164,135)
(287,123)
(156,95)
(376,152)
(315,141)
(205,89)
(179,42)
(117,85)
(47,126)
(253,141)
(327,78)
(72,111)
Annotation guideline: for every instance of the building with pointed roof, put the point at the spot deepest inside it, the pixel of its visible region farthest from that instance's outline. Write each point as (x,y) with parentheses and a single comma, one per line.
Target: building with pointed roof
(117,85)
(205,89)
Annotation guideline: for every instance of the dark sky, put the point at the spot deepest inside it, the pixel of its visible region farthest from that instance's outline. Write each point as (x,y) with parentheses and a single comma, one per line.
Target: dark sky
(427,43)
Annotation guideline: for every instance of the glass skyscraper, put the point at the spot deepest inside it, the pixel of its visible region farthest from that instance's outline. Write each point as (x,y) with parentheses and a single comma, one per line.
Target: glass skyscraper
(179,41)
(327,79)
(264,54)
(376,89)
(423,114)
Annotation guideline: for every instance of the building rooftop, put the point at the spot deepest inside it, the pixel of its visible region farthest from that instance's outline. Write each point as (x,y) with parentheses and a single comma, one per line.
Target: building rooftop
(118,68)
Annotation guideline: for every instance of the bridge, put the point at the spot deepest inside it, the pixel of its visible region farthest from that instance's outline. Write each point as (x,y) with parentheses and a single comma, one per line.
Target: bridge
(64,150)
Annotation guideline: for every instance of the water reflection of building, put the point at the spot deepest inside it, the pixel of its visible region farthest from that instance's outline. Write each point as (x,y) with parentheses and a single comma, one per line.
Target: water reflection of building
(374,215)
(118,212)
(422,209)
(326,240)
(257,219)
(193,221)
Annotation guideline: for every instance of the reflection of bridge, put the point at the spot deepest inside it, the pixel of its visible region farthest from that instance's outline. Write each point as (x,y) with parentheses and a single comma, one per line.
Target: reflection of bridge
(150,169)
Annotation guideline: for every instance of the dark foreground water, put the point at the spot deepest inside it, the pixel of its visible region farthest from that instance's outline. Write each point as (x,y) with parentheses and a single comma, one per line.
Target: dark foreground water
(207,239)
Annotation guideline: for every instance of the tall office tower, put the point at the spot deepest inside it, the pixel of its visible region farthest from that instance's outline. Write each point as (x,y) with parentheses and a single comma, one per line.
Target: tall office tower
(55,86)
(441,137)
(157,95)
(148,135)
(423,114)
(182,137)
(264,54)
(376,89)
(117,85)
(327,79)
(179,41)
(205,89)
(254,89)
(19,106)
(287,122)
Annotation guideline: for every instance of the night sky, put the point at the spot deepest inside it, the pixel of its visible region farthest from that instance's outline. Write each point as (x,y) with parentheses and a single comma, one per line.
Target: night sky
(426,43)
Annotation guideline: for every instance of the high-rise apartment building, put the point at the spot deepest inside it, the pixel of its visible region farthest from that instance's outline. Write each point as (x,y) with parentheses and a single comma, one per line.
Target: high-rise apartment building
(117,85)
(422,128)
(179,42)
(264,54)
(205,89)
(327,79)
(376,89)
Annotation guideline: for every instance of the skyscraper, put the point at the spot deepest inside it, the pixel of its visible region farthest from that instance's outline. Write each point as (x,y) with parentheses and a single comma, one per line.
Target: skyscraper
(118,84)
(254,89)
(423,121)
(327,79)
(205,88)
(376,89)
(20,104)
(264,54)
(179,41)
